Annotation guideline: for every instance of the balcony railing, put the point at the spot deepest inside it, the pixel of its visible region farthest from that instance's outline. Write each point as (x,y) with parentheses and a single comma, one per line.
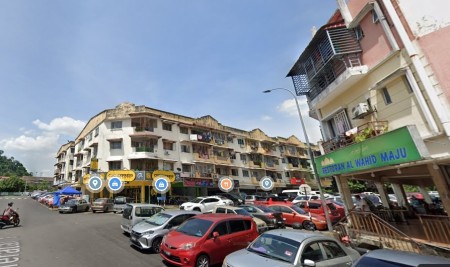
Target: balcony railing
(363,132)
(144,149)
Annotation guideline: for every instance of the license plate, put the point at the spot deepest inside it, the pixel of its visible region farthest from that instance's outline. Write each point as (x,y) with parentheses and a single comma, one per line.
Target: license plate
(133,238)
(166,252)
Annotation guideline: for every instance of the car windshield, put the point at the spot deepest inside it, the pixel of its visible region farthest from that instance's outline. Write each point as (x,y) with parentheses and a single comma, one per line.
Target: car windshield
(265,209)
(298,209)
(158,219)
(195,227)
(275,247)
(197,200)
(72,201)
(301,198)
(243,212)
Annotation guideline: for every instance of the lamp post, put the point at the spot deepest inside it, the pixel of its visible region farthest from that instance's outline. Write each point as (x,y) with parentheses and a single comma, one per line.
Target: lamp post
(310,155)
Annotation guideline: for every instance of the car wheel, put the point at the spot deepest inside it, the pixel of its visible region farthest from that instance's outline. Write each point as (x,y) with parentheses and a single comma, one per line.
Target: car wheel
(197,209)
(74,210)
(156,244)
(107,209)
(86,209)
(93,211)
(17,222)
(308,225)
(202,261)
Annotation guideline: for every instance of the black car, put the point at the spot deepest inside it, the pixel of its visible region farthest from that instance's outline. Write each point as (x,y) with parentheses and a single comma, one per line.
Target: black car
(237,200)
(273,219)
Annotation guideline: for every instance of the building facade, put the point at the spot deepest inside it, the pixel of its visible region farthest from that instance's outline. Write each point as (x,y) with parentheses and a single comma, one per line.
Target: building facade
(199,151)
(376,77)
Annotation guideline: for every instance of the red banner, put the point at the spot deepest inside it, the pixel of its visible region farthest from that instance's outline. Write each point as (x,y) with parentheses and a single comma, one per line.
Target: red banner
(297,181)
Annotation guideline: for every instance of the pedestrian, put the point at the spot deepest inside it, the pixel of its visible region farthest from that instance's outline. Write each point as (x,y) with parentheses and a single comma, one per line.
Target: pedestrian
(361,204)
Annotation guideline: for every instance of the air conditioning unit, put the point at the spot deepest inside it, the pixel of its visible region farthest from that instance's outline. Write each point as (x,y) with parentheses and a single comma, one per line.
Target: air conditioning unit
(166,152)
(360,109)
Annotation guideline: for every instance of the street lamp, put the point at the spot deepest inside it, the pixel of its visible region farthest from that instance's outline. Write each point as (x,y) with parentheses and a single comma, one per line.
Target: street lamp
(310,155)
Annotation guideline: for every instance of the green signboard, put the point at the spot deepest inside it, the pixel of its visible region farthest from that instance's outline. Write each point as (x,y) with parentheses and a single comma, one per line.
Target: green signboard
(391,148)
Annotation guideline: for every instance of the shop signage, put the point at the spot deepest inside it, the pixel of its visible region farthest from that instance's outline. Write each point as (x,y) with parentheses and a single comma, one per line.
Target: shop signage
(297,181)
(169,174)
(94,164)
(124,175)
(140,176)
(197,182)
(395,147)
(87,176)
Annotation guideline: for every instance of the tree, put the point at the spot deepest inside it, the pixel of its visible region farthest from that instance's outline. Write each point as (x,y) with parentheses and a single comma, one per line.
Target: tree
(11,167)
(12,184)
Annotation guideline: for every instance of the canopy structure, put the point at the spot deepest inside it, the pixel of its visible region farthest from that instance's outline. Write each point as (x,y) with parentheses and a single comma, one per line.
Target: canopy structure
(65,191)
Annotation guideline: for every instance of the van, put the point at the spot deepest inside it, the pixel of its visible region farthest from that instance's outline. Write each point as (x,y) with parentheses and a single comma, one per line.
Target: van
(120,203)
(137,212)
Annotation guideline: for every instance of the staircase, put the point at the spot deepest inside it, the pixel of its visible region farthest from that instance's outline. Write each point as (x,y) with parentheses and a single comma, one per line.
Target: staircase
(367,230)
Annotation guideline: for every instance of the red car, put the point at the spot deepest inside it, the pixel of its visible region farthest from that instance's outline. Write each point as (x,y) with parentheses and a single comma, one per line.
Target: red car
(206,239)
(315,206)
(293,214)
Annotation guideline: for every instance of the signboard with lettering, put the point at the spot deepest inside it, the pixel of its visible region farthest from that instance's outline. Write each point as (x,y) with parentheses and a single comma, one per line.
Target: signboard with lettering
(169,174)
(124,175)
(394,147)
(197,182)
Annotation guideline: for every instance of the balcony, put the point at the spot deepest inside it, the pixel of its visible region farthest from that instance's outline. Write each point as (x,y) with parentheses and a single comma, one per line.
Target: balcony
(333,51)
(144,149)
(255,164)
(363,132)
(204,157)
(222,160)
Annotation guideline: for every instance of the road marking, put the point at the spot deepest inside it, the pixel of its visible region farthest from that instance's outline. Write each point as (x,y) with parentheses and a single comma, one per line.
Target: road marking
(9,252)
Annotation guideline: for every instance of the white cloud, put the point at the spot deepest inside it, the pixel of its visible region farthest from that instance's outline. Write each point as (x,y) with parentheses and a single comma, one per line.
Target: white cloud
(289,107)
(36,148)
(64,125)
(266,118)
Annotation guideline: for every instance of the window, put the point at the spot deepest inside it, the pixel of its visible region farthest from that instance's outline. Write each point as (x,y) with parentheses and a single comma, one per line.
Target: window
(185,149)
(333,250)
(115,165)
(245,173)
(220,210)
(96,131)
(338,124)
(167,126)
(359,34)
(168,166)
(234,172)
(240,141)
(184,130)
(167,145)
(243,157)
(386,96)
(312,252)
(185,168)
(237,226)
(408,85)
(115,145)
(146,212)
(221,228)
(375,18)
(116,125)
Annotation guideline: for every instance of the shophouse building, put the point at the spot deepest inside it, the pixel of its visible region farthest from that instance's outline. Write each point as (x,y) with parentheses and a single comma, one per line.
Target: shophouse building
(134,142)
(377,78)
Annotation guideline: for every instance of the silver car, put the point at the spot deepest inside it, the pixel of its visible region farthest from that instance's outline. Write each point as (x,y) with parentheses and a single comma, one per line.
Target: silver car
(149,233)
(288,247)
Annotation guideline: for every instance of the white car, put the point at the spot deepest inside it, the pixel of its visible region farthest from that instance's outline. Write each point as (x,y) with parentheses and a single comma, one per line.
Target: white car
(206,204)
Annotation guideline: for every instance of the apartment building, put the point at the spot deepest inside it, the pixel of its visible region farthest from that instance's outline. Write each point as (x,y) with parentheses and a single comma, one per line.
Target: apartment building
(376,77)
(199,151)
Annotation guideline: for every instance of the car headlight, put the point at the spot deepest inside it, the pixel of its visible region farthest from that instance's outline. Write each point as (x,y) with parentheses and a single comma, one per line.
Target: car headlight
(148,232)
(164,239)
(187,246)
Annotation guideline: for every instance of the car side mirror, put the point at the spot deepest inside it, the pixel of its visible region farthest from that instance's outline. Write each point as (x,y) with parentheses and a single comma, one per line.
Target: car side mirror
(310,263)
(215,235)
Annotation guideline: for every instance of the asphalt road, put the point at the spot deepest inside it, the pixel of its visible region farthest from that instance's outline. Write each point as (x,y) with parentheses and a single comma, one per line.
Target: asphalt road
(47,238)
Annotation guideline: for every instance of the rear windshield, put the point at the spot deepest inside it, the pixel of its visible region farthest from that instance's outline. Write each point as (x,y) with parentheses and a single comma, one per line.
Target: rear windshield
(127,211)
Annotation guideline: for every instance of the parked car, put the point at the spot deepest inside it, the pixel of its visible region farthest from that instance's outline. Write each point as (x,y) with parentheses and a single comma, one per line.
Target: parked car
(74,205)
(237,199)
(148,233)
(315,206)
(305,197)
(250,199)
(292,215)
(120,203)
(262,226)
(287,247)
(395,258)
(102,204)
(137,212)
(272,218)
(206,239)
(206,204)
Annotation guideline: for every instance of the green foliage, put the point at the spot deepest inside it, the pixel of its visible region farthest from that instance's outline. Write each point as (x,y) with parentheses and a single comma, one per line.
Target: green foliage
(410,188)
(12,184)
(357,186)
(11,167)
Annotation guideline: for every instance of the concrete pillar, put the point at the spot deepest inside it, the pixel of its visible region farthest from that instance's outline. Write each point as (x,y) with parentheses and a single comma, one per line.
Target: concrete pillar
(142,193)
(344,190)
(441,184)
(382,191)
(400,194)
(425,195)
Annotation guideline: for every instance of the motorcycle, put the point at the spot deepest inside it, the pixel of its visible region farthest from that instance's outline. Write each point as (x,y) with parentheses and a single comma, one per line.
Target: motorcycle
(5,220)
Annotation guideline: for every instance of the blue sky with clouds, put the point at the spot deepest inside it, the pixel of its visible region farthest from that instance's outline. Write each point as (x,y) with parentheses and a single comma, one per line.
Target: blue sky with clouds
(63,62)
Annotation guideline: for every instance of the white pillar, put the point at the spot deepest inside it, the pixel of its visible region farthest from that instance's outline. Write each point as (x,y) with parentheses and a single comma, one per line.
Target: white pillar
(425,195)
(383,195)
(344,190)
(399,193)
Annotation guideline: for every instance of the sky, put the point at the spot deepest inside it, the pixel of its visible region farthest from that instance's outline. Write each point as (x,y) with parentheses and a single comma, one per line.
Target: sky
(63,62)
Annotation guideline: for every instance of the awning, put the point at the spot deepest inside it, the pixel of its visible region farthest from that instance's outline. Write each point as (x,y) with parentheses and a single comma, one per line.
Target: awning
(114,158)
